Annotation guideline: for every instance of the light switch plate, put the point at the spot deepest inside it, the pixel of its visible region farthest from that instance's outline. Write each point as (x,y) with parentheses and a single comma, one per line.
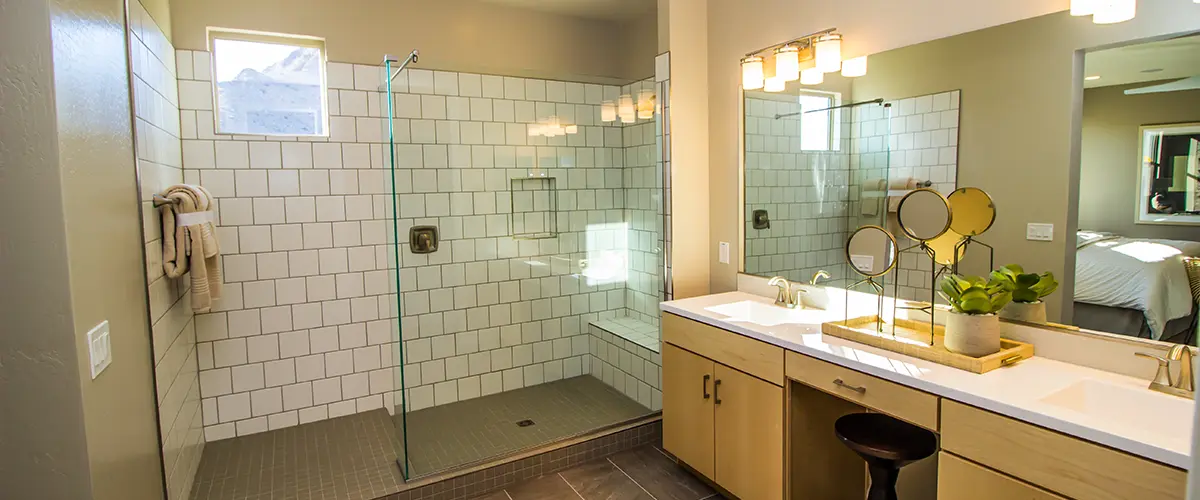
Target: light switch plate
(723,251)
(99,348)
(1039,232)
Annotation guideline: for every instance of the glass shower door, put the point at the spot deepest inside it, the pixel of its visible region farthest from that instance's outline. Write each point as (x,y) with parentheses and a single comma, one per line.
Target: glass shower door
(394,241)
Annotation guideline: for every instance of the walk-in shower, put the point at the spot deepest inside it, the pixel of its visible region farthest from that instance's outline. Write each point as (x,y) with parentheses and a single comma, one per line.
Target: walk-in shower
(526,258)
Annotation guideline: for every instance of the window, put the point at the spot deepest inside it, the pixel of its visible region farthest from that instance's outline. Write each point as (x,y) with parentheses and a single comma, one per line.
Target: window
(268,84)
(817,130)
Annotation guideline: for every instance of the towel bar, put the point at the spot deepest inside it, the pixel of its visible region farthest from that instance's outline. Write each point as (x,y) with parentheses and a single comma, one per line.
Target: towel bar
(160,200)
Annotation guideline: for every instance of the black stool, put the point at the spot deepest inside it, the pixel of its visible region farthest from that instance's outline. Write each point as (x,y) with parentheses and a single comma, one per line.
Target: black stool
(887,444)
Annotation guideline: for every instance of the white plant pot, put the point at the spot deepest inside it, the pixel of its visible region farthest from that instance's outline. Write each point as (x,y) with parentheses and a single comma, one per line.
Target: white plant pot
(1028,312)
(974,335)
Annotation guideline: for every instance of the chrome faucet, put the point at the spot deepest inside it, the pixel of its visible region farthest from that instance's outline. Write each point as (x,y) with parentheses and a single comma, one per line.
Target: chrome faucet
(822,274)
(1185,386)
(785,297)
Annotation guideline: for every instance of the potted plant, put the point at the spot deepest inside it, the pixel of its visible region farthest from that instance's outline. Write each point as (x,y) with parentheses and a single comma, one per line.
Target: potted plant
(1027,293)
(972,327)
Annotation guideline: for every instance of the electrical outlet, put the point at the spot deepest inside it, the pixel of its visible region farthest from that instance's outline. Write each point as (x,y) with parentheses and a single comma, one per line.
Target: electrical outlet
(99,348)
(723,252)
(1039,232)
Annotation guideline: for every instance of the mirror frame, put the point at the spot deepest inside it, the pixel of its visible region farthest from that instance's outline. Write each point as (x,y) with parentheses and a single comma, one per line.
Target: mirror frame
(900,208)
(895,252)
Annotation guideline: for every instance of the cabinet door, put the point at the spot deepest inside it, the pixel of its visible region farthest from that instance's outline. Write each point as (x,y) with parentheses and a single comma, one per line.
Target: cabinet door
(687,385)
(959,479)
(749,430)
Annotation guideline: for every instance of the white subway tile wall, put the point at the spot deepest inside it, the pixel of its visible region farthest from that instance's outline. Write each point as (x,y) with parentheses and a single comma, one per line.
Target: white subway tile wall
(154,66)
(816,198)
(922,136)
(306,332)
(805,193)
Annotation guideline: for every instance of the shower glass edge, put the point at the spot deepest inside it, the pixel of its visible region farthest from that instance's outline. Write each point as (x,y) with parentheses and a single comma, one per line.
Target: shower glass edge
(392,206)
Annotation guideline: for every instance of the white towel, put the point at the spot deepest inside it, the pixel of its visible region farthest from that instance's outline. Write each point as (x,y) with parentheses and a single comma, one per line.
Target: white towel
(192,248)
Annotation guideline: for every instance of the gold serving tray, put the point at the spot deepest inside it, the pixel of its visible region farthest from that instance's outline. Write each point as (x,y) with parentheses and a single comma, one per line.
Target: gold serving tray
(912,339)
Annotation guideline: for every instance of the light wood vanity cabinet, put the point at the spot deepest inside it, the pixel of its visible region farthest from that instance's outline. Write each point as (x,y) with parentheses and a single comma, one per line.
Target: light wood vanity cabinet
(724,423)
(724,404)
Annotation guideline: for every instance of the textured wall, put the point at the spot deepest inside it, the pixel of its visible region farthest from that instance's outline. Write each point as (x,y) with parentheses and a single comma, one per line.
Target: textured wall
(104,244)
(43,452)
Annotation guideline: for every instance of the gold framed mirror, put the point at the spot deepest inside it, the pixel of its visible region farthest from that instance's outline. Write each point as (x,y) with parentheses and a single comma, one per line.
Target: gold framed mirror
(973,209)
(871,251)
(924,214)
(945,246)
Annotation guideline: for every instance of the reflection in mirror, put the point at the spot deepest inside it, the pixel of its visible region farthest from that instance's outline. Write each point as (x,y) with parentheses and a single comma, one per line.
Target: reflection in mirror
(974,212)
(1139,191)
(923,214)
(945,246)
(816,166)
(871,251)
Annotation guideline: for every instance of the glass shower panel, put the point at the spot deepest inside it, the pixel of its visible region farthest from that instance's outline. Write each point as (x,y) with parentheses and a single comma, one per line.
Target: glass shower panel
(869,143)
(394,240)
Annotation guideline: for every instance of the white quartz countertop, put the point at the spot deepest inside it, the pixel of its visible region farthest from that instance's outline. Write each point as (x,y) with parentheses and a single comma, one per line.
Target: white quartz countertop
(1019,391)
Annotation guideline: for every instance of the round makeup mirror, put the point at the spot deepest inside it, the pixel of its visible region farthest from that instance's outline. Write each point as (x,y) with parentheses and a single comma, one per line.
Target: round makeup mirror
(974,211)
(944,247)
(924,214)
(871,251)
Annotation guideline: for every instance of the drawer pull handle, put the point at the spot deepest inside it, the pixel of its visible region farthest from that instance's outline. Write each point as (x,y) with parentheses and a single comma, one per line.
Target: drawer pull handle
(838,382)
(1011,360)
(716,387)
(705,388)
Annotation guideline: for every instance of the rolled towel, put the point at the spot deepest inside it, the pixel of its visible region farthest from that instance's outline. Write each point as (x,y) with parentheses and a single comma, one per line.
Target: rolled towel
(192,248)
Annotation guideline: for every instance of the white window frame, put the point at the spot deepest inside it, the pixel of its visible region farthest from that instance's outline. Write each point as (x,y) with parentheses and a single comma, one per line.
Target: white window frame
(274,38)
(835,99)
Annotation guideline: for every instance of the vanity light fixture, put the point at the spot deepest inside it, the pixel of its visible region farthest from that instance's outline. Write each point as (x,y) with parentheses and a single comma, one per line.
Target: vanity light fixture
(822,50)
(1114,11)
(752,72)
(829,53)
(787,63)
(608,111)
(774,84)
(854,67)
(812,76)
(551,127)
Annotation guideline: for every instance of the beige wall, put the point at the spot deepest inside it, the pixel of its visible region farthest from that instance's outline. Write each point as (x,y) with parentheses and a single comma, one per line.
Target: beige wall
(43,451)
(691,247)
(104,245)
(1108,178)
(458,35)
(1019,102)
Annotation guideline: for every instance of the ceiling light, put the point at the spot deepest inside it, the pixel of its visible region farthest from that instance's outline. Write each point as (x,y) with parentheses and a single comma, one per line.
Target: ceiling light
(1114,11)
(829,52)
(752,73)
(608,111)
(787,63)
(812,76)
(1084,7)
(855,67)
(1091,78)
(774,84)
(645,105)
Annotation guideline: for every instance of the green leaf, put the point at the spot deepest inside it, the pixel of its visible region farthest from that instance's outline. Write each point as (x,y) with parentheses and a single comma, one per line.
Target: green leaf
(1027,280)
(1024,295)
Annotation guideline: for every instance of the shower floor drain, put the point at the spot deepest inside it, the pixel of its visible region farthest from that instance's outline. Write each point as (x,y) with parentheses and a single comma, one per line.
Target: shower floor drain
(525,423)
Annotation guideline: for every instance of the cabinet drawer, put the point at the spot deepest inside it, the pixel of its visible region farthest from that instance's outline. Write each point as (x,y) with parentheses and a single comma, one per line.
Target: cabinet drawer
(959,479)
(877,394)
(1071,467)
(757,358)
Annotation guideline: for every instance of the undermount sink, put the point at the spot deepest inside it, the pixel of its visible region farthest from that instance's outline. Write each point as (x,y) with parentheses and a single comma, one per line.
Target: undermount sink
(1128,406)
(758,313)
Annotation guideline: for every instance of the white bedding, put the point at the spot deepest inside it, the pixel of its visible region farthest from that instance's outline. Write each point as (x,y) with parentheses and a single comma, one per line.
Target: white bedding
(1142,274)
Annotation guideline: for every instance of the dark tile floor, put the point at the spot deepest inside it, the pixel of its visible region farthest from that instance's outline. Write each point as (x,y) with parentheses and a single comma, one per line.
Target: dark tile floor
(475,430)
(645,473)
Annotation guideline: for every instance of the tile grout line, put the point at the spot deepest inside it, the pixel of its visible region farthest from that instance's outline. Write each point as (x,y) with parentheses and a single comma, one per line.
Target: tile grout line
(560,476)
(639,485)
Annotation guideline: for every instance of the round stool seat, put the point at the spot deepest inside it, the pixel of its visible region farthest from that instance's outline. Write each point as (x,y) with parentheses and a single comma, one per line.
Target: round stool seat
(886,444)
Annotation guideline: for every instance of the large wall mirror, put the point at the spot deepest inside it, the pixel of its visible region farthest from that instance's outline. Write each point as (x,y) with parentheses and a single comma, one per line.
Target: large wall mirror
(1112,186)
